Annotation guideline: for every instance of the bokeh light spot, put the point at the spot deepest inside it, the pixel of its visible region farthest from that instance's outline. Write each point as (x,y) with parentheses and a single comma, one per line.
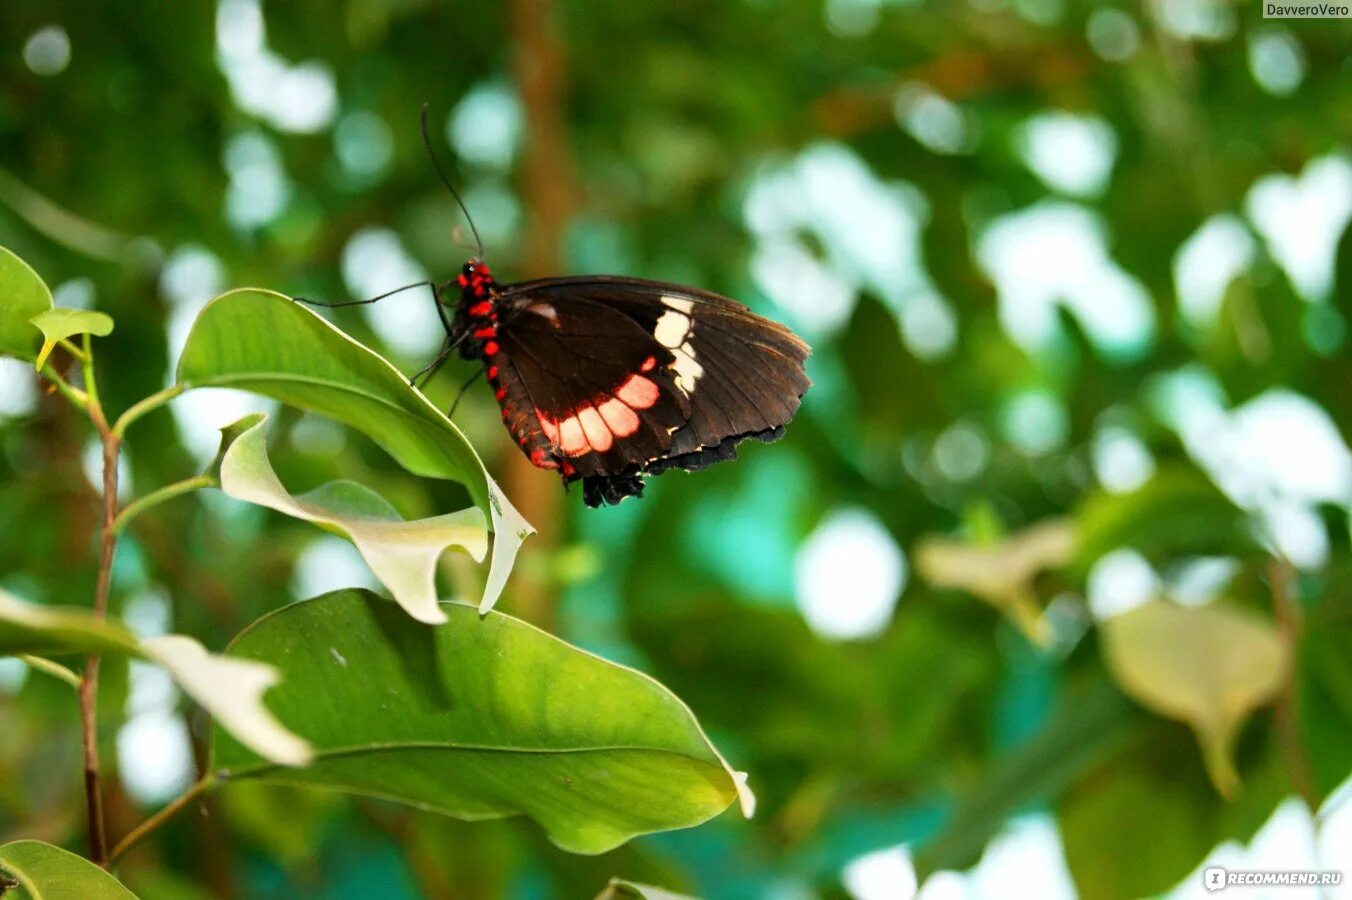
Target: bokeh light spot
(47,51)
(848,576)
(1276,60)
(1120,582)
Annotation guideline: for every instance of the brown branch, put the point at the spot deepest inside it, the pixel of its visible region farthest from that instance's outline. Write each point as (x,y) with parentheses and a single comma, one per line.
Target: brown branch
(1290,625)
(547,191)
(89,683)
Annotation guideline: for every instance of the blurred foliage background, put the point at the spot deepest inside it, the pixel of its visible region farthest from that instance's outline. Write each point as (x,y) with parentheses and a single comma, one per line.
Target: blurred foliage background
(1069,265)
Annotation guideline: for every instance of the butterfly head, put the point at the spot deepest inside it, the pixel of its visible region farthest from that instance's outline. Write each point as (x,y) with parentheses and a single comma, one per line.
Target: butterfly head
(476,277)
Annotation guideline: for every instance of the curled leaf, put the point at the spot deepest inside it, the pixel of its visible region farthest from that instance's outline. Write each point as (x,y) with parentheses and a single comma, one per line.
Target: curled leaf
(402,554)
(261,341)
(1207,666)
(58,324)
(1001,573)
(230,689)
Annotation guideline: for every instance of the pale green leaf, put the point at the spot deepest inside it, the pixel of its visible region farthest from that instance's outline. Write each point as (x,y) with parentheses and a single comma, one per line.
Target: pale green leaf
(39,871)
(58,324)
(1208,666)
(263,342)
(619,889)
(23,295)
(483,717)
(230,689)
(402,554)
(1001,573)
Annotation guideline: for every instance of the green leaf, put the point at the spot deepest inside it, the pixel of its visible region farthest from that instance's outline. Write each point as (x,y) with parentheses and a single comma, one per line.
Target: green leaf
(618,889)
(228,688)
(59,324)
(1089,726)
(480,718)
(402,554)
(44,872)
(1208,666)
(42,630)
(23,295)
(1157,779)
(263,342)
(1178,511)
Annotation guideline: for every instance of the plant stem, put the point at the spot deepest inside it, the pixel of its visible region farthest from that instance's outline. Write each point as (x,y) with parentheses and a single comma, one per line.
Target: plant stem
(154,498)
(81,355)
(171,809)
(1290,625)
(89,685)
(54,669)
(149,404)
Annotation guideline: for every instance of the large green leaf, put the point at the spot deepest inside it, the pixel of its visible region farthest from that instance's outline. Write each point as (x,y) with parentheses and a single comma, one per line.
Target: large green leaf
(480,718)
(40,871)
(263,342)
(23,295)
(230,689)
(402,554)
(58,324)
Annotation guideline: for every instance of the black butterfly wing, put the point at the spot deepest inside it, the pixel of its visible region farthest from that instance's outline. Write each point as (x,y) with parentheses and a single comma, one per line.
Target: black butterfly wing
(723,374)
(588,385)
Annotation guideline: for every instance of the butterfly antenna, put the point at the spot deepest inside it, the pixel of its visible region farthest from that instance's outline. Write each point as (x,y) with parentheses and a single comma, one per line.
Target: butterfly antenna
(427,142)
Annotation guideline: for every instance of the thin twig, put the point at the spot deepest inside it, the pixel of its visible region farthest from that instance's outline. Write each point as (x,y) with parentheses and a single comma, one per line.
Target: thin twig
(155,498)
(77,397)
(149,404)
(1290,624)
(171,809)
(59,223)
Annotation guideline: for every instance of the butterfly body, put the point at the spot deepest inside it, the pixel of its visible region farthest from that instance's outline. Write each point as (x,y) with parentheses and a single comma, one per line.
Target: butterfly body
(607,379)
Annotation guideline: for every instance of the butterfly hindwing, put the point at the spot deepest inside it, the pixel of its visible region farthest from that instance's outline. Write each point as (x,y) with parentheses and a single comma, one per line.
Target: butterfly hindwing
(592,383)
(721,373)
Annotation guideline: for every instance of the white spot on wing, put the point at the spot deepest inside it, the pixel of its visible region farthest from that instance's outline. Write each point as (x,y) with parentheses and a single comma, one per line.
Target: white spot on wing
(680,304)
(545,310)
(672,329)
(688,369)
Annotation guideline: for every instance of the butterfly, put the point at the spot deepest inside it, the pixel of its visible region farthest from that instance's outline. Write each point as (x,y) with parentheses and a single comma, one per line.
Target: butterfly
(608,380)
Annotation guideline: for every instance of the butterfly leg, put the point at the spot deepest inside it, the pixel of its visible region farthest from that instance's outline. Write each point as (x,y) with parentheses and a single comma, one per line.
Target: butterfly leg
(431,368)
(473,378)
